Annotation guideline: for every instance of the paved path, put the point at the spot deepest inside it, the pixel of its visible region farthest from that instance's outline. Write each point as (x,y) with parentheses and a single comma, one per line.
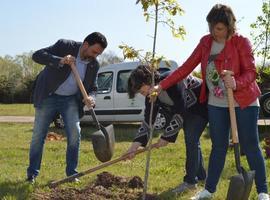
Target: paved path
(264,122)
(30,119)
(22,119)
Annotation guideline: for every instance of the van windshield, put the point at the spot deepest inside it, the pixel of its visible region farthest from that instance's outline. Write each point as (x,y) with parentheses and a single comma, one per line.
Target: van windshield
(104,82)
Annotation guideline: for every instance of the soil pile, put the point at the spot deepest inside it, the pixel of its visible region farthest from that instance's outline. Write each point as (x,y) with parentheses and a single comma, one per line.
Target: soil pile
(106,186)
(52,136)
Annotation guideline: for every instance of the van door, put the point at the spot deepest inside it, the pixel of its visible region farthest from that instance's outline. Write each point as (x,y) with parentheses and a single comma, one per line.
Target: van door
(104,98)
(126,109)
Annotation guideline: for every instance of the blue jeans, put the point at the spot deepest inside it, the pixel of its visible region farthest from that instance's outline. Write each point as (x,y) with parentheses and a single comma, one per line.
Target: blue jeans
(194,126)
(67,106)
(219,124)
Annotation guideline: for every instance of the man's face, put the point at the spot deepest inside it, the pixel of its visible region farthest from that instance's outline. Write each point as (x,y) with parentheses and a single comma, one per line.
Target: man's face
(88,52)
(144,90)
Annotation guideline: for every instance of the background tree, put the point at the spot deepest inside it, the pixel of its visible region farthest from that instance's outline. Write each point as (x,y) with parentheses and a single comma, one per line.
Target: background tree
(161,12)
(17,77)
(109,58)
(261,42)
(10,77)
(261,34)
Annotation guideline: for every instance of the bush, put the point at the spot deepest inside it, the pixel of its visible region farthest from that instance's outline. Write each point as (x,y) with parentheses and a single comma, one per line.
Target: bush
(263,78)
(11,92)
(6,89)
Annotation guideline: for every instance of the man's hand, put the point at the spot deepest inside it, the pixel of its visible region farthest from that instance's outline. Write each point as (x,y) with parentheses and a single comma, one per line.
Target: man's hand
(89,102)
(68,60)
(130,154)
(161,143)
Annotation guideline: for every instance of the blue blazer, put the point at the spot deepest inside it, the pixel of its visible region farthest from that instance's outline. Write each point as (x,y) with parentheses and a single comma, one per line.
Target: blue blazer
(54,74)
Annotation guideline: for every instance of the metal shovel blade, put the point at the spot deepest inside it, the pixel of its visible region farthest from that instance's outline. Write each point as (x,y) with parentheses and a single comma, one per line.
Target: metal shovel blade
(103,143)
(103,139)
(240,186)
(248,177)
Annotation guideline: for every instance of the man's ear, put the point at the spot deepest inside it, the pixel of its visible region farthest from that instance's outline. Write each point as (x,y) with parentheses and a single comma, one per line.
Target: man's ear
(85,45)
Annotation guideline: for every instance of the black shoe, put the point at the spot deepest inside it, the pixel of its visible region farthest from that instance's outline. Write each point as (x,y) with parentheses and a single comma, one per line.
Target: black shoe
(30,179)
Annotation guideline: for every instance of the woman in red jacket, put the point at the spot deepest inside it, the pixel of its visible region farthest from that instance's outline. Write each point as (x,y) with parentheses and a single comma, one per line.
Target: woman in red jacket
(224,49)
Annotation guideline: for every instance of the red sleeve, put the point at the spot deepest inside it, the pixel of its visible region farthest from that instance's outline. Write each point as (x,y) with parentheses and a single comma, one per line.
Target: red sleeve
(184,70)
(247,64)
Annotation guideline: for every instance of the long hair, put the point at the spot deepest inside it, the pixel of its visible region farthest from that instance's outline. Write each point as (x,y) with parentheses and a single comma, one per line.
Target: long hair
(222,14)
(140,76)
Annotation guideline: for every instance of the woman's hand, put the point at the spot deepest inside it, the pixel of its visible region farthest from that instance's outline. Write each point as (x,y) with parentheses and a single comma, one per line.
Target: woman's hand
(154,92)
(229,81)
(130,154)
(161,143)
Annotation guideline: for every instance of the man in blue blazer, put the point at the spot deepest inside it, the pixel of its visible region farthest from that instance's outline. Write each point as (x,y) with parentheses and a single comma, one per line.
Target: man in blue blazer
(56,91)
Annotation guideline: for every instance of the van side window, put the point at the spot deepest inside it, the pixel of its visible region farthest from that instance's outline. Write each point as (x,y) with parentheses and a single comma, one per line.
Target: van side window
(104,82)
(122,81)
(162,70)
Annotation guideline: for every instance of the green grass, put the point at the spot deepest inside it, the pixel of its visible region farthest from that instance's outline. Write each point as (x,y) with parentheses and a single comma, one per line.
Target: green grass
(17,110)
(166,167)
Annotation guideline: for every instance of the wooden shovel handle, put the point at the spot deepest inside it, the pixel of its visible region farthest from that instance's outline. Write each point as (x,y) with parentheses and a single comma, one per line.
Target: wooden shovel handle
(83,91)
(70,178)
(78,80)
(232,110)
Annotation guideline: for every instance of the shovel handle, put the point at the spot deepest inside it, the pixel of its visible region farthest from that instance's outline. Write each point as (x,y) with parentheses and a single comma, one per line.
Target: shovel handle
(70,178)
(78,80)
(83,91)
(234,129)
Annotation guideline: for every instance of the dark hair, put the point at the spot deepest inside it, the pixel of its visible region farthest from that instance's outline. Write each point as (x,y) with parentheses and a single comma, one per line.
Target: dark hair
(96,37)
(140,76)
(222,14)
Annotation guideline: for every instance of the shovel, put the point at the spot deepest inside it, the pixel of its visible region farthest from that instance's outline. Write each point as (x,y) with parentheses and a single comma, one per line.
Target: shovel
(103,140)
(240,184)
(103,165)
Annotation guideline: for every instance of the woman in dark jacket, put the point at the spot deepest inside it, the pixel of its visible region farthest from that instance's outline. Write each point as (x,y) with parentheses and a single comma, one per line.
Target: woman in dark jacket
(180,104)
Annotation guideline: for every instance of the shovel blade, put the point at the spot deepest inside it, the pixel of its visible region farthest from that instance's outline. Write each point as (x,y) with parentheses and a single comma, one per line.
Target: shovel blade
(103,143)
(236,187)
(248,177)
(240,186)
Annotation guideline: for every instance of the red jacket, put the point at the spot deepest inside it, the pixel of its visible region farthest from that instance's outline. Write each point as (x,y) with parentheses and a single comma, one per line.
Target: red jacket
(236,56)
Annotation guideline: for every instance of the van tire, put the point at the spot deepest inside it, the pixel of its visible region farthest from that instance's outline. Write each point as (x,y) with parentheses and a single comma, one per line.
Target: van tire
(58,122)
(265,105)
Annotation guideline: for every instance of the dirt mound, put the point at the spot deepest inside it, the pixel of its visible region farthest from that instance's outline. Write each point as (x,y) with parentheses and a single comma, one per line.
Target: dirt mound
(106,186)
(52,136)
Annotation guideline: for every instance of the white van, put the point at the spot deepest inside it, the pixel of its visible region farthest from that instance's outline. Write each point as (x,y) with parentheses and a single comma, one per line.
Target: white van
(112,101)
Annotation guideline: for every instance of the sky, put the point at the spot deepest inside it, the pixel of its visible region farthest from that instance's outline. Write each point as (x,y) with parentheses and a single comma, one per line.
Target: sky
(31,24)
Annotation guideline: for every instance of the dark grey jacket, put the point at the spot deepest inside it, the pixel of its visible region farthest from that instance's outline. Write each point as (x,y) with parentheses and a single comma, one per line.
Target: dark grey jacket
(54,74)
(185,96)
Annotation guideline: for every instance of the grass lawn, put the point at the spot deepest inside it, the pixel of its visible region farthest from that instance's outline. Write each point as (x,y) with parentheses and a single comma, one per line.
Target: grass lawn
(166,168)
(17,110)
